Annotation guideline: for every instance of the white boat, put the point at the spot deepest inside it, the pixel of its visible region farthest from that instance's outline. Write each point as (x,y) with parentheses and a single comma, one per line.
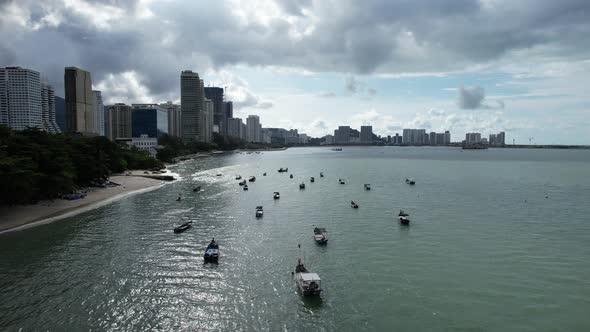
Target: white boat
(319,235)
(276,195)
(309,283)
(259,211)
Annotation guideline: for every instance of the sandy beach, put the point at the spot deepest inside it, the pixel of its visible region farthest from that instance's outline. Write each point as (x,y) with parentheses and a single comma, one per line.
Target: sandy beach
(25,216)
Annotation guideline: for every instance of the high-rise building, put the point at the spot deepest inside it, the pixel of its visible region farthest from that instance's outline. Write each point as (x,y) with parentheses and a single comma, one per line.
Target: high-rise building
(192,103)
(254,128)
(397,139)
(234,127)
(228,106)
(21,105)
(48,109)
(208,117)
(119,120)
(473,138)
(414,136)
(97,113)
(342,135)
(148,119)
(447,137)
(366,134)
(174,118)
(78,96)
(215,94)
(328,139)
(244,132)
(60,112)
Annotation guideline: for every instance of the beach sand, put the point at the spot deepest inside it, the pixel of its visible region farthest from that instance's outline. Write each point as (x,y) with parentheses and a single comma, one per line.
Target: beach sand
(25,216)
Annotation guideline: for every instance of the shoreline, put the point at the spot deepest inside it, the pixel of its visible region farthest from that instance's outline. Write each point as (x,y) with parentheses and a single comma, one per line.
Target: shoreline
(21,217)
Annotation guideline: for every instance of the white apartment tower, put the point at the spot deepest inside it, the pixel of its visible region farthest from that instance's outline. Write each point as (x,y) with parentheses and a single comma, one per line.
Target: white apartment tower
(253,125)
(174,118)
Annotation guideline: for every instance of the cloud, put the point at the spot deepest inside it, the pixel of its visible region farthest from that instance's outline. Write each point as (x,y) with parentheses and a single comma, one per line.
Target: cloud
(238,90)
(351,85)
(471,98)
(371,91)
(327,95)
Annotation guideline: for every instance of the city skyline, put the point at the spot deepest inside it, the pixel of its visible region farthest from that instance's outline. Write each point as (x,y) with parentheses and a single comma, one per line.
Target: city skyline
(391,65)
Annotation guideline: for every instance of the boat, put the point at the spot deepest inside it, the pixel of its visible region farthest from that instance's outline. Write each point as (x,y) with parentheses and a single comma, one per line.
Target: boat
(218,174)
(319,235)
(321,174)
(367,186)
(411,182)
(239,177)
(291,176)
(354,205)
(282,170)
(312,179)
(341,181)
(403,214)
(242,183)
(197,189)
(259,211)
(212,252)
(302,185)
(337,149)
(178,199)
(264,174)
(245,187)
(308,283)
(474,146)
(183,227)
(252,179)
(404,220)
(276,195)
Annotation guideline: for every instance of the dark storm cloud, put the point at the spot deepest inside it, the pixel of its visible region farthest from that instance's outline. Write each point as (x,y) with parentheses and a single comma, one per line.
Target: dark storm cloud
(362,37)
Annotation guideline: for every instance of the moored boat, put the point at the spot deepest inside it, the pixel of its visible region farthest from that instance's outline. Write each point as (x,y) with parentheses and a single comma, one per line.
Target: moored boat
(245,187)
(252,179)
(276,195)
(259,211)
(242,183)
(319,235)
(354,205)
(367,186)
(239,177)
(403,214)
(281,170)
(410,182)
(341,181)
(312,179)
(321,174)
(302,185)
(264,174)
(404,220)
(291,176)
(183,227)
(197,189)
(212,252)
(308,283)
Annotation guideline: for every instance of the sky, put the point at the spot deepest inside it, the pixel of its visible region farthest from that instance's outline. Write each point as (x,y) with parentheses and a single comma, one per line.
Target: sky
(522,67)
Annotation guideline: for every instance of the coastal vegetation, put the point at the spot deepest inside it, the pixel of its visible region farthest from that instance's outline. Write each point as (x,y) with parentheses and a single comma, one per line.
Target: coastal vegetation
(37,165)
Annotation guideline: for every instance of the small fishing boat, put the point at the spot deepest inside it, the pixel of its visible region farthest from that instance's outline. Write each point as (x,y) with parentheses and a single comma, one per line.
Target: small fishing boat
(308,283)
(259,211)
(341,181)
(252,179)
(264,174)
(212,252)
(245,187)
(239,177)
(197,189)
(354,205)
(178,199)
(276,195)
(302,185)
(183,227)
(242,183)
(218,174)
(291,176)
(410,182)
(367,186)
(404,220)
(312,179)
(321,174)
(337,149)
(403,214)
(319,235)
(281,170)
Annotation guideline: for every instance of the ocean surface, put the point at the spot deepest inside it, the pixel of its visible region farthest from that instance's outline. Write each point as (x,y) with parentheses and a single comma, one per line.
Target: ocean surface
(499,241)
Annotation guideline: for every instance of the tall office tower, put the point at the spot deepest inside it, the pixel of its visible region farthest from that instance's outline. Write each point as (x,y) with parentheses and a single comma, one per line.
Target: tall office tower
(228,107)
(366,134)
(78,96)
(97,113)
(501,138)
(207,123)
(447,137)
(119,121)
(174,118)
(48,109)
(192,103)
(21,94)
(342,135)
(253,125)
(215,94)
